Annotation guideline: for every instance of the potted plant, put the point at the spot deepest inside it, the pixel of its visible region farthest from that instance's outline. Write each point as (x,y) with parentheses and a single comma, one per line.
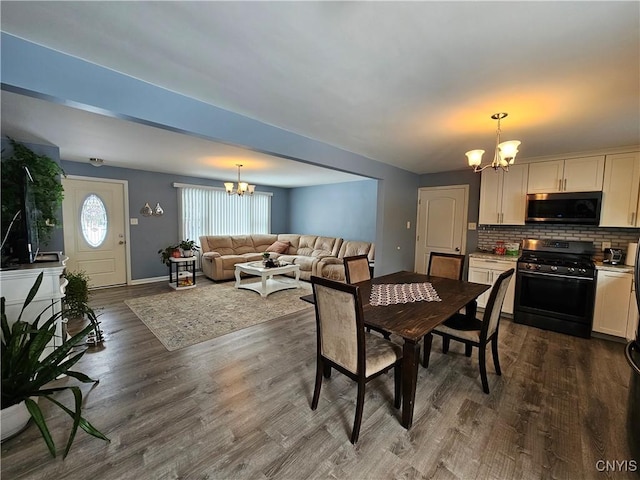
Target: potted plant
(30,365)
(187,247)
(47,189)
(168,252)
(76,303)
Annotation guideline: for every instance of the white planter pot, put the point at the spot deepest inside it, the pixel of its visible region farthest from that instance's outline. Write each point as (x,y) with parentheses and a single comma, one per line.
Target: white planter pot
(13,420)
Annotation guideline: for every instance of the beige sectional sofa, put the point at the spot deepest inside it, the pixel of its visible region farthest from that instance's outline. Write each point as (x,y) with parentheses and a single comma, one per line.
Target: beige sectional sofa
(333,268)
(220,253)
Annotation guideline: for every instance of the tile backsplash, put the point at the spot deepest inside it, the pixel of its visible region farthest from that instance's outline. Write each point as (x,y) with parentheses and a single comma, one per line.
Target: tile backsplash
(618,237)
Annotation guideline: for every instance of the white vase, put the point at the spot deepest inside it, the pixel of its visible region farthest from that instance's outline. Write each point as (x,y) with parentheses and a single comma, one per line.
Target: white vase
(13,420)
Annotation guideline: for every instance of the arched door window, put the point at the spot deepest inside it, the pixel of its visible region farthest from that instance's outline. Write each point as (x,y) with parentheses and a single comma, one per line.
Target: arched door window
(93,220)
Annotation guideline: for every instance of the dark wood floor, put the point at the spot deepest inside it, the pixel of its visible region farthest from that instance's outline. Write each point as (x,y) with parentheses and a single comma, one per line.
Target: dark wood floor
(238,407)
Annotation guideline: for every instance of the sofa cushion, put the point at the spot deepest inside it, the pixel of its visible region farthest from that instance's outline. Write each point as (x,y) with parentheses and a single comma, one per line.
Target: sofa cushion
(279,247)
(242,244)
(262,241)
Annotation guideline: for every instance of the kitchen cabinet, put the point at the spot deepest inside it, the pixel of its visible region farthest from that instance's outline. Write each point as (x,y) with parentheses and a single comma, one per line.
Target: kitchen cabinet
(613,313)
(486,271)
(503,196)
(571,175)
(632,320)
(620,191)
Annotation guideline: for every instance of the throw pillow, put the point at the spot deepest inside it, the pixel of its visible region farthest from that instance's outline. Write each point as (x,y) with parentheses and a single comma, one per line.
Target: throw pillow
(278,247)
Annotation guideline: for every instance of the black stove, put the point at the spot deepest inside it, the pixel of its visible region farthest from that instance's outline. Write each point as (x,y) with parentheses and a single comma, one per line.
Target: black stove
(555,286)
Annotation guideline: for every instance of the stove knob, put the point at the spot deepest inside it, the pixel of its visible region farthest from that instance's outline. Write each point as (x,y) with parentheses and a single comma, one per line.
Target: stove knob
(582,270)
(537,267)
(571,269)
(554,268)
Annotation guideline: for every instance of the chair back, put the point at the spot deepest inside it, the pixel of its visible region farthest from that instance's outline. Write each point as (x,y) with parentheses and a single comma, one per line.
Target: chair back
(356,269)
(339,322)
(447,265)
(494,305)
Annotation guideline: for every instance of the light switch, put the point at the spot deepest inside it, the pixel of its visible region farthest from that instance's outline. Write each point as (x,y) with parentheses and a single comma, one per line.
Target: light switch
(133,221)
(408,225)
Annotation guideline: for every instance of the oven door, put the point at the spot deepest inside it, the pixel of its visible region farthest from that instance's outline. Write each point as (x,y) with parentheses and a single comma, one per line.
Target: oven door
(555,302)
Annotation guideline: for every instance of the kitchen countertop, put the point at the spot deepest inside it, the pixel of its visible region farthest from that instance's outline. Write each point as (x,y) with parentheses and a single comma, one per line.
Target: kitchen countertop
(614,268)
(493,256)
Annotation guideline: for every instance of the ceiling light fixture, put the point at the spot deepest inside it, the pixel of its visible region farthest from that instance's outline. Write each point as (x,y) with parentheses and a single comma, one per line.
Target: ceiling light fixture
(96,162)
(504,155)
(243,187)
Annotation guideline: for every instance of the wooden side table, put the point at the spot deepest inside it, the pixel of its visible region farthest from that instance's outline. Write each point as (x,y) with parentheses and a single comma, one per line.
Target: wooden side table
(182,272)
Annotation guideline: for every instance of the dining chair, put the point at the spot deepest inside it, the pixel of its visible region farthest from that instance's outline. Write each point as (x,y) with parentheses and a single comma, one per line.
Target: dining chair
(474,332)
(356,268)
(448,265)
(344,345)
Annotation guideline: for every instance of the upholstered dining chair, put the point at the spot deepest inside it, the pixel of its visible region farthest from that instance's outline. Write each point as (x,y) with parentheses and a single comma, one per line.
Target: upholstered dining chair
(344,345)
(356,268)
(475,332)
(448,265)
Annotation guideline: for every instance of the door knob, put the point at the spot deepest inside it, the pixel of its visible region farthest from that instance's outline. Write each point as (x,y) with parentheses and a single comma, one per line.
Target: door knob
(121,242)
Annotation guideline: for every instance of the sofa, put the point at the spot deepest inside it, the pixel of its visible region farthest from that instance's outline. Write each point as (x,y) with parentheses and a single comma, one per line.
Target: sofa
(220,253)
(333,267)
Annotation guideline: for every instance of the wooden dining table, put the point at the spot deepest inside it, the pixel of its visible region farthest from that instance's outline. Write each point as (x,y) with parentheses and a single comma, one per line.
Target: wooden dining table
(412,321)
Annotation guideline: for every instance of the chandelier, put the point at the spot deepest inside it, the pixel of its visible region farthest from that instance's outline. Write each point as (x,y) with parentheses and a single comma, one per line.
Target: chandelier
(242,188)
(504,155)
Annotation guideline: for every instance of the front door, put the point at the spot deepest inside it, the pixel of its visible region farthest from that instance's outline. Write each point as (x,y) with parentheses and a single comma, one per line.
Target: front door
(94,230)
(441,223)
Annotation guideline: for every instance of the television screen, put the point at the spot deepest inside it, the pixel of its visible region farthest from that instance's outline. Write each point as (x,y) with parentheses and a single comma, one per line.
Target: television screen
(21,242)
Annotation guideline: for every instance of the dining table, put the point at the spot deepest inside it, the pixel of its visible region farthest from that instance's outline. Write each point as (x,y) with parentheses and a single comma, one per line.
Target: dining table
(413,320)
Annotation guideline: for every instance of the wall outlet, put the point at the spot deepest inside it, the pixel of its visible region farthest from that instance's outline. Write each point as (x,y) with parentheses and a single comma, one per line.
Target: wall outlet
(606,245)
(472,226)
(133,221)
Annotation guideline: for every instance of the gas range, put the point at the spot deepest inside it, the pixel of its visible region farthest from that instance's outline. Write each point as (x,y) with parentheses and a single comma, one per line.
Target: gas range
(557,257)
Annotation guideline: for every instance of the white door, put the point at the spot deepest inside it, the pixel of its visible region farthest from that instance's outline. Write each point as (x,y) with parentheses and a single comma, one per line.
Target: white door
(94,230)
(441,223)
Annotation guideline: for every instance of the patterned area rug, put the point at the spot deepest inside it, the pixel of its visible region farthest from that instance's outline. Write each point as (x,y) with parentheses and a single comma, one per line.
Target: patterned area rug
(183,318)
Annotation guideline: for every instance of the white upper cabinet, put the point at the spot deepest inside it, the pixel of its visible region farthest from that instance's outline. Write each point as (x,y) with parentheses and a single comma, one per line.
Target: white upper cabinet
(620,191)
(503,196)
(572,175)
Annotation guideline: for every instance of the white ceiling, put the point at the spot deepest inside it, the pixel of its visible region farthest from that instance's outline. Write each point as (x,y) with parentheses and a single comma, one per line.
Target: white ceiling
(411,84)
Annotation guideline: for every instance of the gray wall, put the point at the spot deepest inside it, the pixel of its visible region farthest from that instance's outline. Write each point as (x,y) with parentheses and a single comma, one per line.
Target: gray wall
(37,71)
(154,233)
(346,210)
(460,177)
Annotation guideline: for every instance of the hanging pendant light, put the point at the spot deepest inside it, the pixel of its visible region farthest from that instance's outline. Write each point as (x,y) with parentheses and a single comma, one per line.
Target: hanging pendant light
(504,155)
(242,188)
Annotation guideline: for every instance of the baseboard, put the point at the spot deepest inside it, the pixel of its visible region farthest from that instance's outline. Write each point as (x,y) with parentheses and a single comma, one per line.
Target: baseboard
(164,278)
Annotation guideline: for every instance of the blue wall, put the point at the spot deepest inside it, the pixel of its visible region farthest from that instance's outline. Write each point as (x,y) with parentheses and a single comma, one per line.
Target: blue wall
(37,71)
(346,210)
(154,233)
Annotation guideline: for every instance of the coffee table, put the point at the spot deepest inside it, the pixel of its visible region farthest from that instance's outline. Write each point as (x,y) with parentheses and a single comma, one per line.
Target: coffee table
(267,284)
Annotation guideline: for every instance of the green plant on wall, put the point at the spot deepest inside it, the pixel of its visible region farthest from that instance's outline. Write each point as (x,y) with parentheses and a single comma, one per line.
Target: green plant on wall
(47,189)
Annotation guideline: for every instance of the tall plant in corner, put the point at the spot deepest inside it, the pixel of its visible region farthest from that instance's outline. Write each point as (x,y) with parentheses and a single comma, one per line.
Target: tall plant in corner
(47,189)
(28,368)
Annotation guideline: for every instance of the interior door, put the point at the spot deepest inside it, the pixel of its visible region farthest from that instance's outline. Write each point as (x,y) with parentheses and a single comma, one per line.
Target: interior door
(94,230)
(441,223)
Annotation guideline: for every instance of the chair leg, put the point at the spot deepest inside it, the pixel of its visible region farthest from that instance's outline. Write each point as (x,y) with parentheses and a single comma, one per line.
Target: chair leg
(327,370)
(494,350)
(467,349)
(397,380)
(445,344)
(482,360)
(359,407)
(316,390)
(428,340)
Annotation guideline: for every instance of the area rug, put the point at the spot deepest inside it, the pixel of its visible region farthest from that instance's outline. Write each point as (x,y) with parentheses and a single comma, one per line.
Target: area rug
(183,318)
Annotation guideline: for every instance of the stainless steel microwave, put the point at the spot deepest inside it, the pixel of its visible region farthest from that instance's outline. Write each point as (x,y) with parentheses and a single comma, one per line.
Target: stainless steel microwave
(572,208)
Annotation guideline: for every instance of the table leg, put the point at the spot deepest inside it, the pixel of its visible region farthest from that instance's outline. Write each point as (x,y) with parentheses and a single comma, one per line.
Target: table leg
(264,277)
(410,360)
(471,309)
(237,277)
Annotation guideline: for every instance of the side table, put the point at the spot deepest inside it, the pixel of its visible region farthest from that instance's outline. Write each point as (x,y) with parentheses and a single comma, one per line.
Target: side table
(182,272)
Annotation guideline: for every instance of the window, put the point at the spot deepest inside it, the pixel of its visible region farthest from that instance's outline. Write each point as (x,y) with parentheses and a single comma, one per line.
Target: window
(93,220)
(211,211)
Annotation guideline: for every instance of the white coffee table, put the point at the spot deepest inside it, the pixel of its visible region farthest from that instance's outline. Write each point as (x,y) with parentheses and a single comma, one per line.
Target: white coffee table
(267,284)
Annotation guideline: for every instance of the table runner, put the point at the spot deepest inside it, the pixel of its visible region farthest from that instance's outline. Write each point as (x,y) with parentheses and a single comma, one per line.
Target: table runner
(392,293)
